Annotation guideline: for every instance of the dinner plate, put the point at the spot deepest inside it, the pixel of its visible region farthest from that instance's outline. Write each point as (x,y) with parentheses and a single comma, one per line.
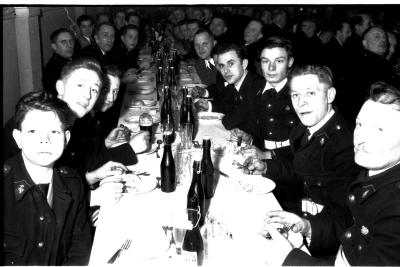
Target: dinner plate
(139,184)
(209,116)
(253,184)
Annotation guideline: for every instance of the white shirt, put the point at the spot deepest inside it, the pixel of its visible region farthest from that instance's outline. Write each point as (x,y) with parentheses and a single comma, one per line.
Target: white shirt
(319,125)
(278,87)
(208,62)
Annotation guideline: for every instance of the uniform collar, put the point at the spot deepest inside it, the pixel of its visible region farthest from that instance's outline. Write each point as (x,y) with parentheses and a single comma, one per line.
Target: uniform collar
(370,184)
(278,88)
(320,124)
(238,84)
(23,182)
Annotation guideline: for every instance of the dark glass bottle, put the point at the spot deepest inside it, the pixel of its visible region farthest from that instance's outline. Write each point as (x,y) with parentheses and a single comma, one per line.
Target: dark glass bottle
(159,81)
(167,170)
(166,115)
(195,196)
(207,169)
(183,106)
(187,113)
(193,247)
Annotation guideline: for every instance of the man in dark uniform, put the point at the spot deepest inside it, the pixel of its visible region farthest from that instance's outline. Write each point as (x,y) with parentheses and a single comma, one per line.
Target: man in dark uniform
(234,96)
(373,238)
(45,208)
(323,157)
(274,116)
(104,36)
(86,27)
(62,43)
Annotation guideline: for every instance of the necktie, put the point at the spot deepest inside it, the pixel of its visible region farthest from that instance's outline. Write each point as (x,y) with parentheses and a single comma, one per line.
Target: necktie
(211,66)
(44,188)
(305,137)
(271,92)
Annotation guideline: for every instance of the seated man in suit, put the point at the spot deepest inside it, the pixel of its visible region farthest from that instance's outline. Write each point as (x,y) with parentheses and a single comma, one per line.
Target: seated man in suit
(373,238)
(62,43)
(323,157)
(86,27)
(104,36)
(236,94)
(205,66)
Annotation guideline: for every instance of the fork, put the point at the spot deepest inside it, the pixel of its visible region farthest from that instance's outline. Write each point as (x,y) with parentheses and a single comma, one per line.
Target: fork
(124,246)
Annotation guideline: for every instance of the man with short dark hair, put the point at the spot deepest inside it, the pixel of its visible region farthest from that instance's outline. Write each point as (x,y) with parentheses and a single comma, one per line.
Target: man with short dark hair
(62,43)
(234,96)
(104,36)
(86,27)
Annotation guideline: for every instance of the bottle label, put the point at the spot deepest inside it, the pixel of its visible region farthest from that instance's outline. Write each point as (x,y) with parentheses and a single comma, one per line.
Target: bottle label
(190,258)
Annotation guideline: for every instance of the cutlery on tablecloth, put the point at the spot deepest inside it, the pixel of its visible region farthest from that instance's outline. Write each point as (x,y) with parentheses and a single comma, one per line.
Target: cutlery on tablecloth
(222,173)
(124,246)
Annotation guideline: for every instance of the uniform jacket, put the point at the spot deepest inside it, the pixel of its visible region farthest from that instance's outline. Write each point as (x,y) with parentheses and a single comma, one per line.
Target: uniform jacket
(95,52)
(324,165)
(374,236)
(125,59)
(34,233)
(52,72)
(207,76)
(273,117)
(86,150)
(236,104)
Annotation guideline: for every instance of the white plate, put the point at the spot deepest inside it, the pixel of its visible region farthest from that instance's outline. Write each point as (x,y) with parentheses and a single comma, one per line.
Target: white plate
(254,184)
(209,116)
(137,186)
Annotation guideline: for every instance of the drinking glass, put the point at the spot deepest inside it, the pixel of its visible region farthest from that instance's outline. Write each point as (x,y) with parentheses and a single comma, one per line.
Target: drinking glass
(186,135)
(182,225)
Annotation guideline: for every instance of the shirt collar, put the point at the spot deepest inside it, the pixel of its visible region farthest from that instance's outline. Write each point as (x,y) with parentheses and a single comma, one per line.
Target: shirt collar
(208,62)
(239,83)
(319,125)
(278,87)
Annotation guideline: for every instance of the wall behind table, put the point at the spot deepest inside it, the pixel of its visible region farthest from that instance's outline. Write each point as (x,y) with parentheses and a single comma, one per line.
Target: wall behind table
(41,23)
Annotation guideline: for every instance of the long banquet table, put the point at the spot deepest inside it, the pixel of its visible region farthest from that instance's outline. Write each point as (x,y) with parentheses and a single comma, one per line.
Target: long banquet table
(234,216)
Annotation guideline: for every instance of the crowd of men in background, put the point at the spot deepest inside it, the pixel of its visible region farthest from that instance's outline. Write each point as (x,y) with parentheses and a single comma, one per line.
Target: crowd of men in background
(289,79)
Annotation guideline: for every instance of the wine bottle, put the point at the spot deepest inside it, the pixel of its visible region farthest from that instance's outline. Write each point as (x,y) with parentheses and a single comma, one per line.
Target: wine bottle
(195,196)
(166,115)
(193,247)
(183,106)
(207,169)
(167,170)
(187,114)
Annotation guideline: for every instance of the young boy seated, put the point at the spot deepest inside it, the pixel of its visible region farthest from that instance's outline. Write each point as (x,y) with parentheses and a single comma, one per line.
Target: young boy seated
(45,210)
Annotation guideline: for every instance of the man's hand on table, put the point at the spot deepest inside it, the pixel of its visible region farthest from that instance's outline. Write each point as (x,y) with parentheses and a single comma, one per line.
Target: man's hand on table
(111,168)
(199,92)
(254,166)
(140,142)
(109,192)
(130,75)
(237,134)
(117,136)
(296,223)
(201,105)
(254,152)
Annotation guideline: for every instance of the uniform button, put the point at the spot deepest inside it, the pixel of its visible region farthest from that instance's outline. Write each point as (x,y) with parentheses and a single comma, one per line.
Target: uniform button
(269,105)
(41,218)
(72,153)
(347,234)
(271,119)
(40,244)
(290,122)
(12,262)
(359,247)
(305,214)
(352,198)
(338,127)
(305,183)
(364,230)
(319,184)
(270,133)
